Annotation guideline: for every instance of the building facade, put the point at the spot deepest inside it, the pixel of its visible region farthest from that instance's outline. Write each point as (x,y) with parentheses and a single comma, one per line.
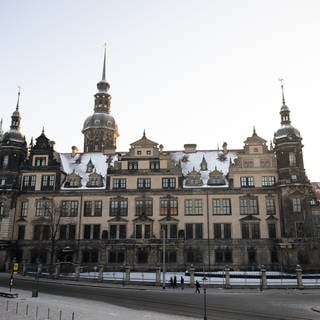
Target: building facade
(208,208)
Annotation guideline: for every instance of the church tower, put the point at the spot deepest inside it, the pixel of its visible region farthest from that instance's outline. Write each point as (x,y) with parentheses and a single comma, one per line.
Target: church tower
(100,130)
(294,186)
(13,151)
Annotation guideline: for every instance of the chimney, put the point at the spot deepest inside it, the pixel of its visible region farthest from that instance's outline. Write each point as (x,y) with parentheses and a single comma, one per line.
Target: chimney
(190,147)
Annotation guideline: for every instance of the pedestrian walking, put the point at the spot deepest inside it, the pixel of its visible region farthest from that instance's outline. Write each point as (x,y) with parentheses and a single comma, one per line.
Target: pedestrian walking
(197,287)
(171,282)
(174,281)
(182,282)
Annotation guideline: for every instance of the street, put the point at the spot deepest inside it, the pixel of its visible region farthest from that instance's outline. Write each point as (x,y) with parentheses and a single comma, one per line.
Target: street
(228,304)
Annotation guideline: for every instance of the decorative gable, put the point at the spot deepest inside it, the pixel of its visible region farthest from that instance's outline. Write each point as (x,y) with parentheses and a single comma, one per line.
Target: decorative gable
(73,180)
(194,178)
(95,180)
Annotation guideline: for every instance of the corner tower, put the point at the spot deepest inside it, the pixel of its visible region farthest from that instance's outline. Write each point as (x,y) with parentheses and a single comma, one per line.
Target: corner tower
(100,129)
(294,187)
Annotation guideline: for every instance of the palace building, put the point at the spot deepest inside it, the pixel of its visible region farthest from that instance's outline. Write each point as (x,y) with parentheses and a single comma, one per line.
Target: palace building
(243,208)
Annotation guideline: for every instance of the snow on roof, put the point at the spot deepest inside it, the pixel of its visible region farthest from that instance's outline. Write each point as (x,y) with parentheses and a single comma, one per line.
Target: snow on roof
(216,159)
(78,165)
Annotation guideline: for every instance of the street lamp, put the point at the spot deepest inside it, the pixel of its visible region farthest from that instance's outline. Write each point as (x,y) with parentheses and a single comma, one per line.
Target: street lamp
(204,298)
(163,258)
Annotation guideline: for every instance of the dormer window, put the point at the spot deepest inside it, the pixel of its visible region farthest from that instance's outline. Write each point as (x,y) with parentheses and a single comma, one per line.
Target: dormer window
(216,178)
(204,164)
(73,180)
(40,161)
(194,178)
(95,180)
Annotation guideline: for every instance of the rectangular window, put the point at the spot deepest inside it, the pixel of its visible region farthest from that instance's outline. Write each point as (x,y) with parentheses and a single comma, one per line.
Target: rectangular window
(28,182)
(144,207)
(44,208)
(193,207)
(154,165)
(63,232)
(119,183)
(249,206)
(47,182)
(247,182)
(168,207)
(255,230)
(268,181)
(221,206)
(198,231)
(272,231)
(296,205)
(46,232)
(40,161)
(21,232)
(270,205)
(87,231)
(245,231)
(132,165)
(122,231)
(24,209)
(173,231)
(96,231)
(189,231)
(292,159)
(98,208)
(138,231)
(168,183)
(143,183)
(118,208)
(72,231)
(113,231)
(227,230)
(147,231)
(217,231)
(87,208)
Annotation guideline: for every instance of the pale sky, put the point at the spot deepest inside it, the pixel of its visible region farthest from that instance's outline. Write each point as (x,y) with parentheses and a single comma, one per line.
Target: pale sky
(202,71)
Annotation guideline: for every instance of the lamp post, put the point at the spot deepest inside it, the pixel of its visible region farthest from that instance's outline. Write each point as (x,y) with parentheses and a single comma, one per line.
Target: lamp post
(163,258)
(204,298)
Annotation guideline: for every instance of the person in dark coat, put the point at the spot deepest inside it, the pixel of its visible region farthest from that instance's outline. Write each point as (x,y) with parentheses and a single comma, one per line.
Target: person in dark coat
(171,282)
(182,282)
(197,287)
(174,281)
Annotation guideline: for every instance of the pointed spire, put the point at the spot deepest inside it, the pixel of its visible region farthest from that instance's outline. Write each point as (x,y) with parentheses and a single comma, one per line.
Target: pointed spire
(283,100)
(144,133)
(104,63)
(254,131)
(18,101)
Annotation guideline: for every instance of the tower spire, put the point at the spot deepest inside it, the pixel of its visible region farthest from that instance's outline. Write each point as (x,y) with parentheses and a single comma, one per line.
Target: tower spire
(283,100)
(18,101)
(104,63)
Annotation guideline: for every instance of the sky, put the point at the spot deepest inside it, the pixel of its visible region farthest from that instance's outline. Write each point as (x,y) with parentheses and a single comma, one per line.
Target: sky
(202,71)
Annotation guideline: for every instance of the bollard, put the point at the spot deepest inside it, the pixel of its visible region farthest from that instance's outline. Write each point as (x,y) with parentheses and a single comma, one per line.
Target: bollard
(299,277)
(158,276)
(127,270)
(263,278)
(227,273)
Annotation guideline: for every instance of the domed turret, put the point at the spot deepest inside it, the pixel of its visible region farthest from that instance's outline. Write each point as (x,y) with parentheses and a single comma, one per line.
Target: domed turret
(100,129)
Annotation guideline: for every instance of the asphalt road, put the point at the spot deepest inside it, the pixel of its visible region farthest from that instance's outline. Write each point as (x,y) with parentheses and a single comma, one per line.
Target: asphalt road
(226,304)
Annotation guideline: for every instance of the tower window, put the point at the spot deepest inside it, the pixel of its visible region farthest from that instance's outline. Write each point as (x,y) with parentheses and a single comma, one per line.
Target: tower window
(292,159)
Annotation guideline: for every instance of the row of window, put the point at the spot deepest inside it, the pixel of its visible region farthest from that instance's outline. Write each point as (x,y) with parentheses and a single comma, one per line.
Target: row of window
(144,231)
(248,181)
(47,182)
(143,183)
(144,206)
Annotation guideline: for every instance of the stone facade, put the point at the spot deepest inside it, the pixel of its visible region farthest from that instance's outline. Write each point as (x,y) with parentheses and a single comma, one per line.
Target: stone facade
(207,208)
